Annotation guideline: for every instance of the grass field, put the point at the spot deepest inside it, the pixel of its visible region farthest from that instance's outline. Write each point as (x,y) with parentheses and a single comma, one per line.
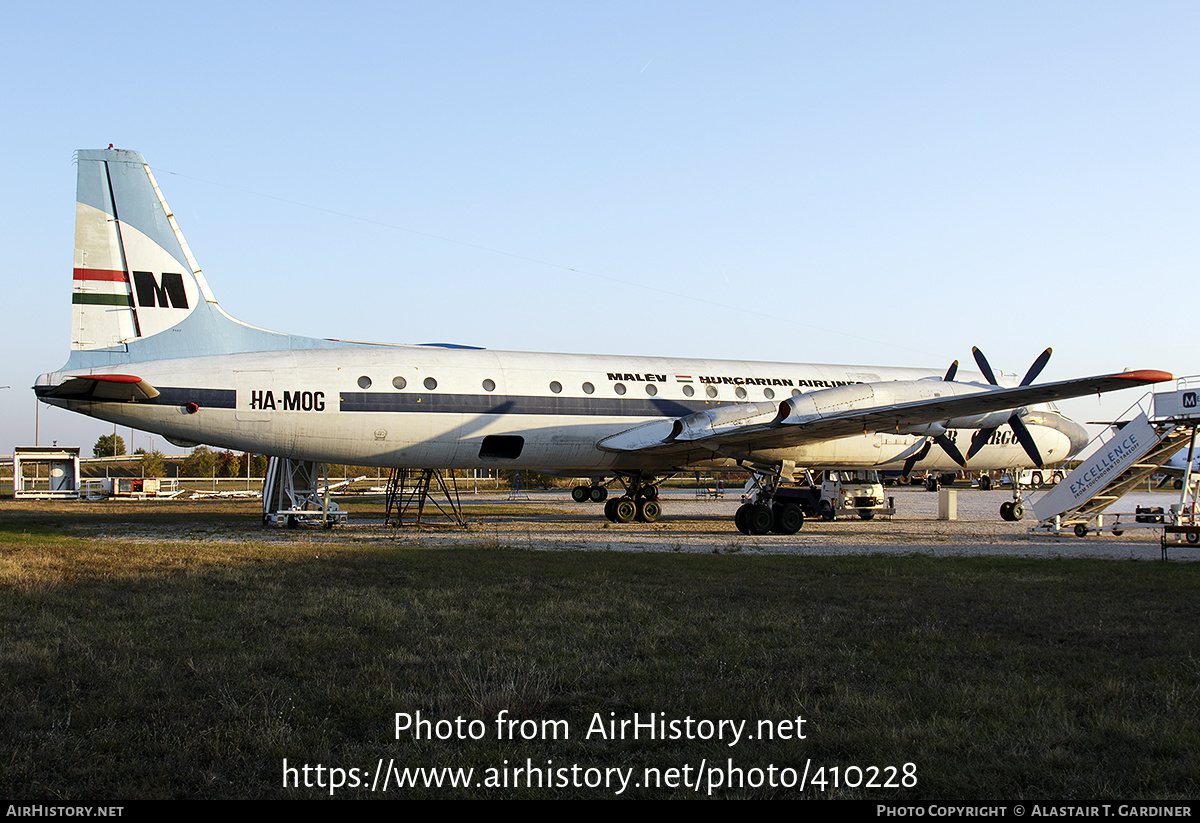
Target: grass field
(193,666)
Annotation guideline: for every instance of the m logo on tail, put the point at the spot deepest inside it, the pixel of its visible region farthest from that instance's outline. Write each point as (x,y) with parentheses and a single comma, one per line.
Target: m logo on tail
(169,294)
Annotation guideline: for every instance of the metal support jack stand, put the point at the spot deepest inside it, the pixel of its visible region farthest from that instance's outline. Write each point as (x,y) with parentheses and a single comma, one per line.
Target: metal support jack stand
(517,490)
(408,490)
(292,496)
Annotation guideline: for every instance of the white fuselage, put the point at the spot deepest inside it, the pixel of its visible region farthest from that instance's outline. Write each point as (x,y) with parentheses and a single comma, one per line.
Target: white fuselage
(435,407)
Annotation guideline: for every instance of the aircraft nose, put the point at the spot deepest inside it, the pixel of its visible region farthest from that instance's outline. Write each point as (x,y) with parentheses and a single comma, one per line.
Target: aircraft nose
(1076,433)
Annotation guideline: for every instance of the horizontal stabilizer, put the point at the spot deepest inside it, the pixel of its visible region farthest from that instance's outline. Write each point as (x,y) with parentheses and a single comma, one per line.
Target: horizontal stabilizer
(102,388)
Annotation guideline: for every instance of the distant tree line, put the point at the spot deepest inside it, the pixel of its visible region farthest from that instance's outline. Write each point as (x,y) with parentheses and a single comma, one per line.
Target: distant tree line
(109,445)
(202,462)
(205,462)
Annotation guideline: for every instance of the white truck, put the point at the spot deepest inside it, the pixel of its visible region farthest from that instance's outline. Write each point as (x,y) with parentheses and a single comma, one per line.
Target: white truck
(833,493)
(1036,478)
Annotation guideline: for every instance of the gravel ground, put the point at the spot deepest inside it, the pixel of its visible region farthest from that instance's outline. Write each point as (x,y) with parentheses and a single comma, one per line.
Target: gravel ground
(555,523)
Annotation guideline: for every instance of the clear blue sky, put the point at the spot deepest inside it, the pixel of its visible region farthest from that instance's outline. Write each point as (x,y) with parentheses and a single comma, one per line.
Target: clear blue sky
(884,183)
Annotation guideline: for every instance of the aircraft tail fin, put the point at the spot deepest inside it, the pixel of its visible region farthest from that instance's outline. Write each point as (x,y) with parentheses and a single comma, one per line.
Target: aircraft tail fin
(135,278)
(134,275)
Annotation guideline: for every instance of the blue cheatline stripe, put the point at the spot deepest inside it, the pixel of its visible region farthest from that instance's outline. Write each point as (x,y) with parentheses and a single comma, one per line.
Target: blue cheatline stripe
(517,404)
(167,396)
(204,398)
(429,403)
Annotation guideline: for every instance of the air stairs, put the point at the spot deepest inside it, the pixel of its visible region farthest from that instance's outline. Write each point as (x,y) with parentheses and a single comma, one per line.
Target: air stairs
(1125,459)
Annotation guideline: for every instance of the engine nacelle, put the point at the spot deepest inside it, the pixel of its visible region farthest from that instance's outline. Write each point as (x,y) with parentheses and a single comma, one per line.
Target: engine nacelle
(722,419)
(806,408)
(695,426)
(991,420)
(925,430)
(975,421)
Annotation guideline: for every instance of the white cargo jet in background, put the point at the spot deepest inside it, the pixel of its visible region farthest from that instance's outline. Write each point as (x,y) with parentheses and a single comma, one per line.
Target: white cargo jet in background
(151,349)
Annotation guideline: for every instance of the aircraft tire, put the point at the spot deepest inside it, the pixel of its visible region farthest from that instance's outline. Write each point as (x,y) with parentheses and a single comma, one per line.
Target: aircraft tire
(608,510)
(649,492)
(758,519)
(579,494)
(598,494)
(985,483)
(1018,511)
(931,484)
(1193,538)
(739,518)
(1006,511)
(787,519)
(1080,530)
(648,511)
(624,510)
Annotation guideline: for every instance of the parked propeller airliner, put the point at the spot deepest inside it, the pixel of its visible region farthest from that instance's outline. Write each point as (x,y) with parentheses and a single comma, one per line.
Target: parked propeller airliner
(151,349)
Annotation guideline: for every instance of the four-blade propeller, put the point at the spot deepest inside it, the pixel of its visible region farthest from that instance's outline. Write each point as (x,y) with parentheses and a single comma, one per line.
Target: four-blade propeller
(942,440)
(1022,434)
(981,437)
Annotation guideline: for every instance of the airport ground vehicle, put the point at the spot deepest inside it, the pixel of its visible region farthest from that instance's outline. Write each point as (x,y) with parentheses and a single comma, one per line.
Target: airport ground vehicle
(826,494)
(1036,478)
(858,492)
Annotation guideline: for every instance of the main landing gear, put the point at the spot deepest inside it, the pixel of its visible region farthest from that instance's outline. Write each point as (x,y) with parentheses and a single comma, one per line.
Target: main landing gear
(763,513)
(594,493)
(640,501)
(759,518)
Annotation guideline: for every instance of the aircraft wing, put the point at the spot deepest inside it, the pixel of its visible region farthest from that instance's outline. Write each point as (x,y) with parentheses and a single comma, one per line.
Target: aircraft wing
(859,408)
(110,388)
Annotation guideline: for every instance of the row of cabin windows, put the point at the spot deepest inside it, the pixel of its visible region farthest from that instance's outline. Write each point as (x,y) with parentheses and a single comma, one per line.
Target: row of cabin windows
(364,382)
(489,385)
